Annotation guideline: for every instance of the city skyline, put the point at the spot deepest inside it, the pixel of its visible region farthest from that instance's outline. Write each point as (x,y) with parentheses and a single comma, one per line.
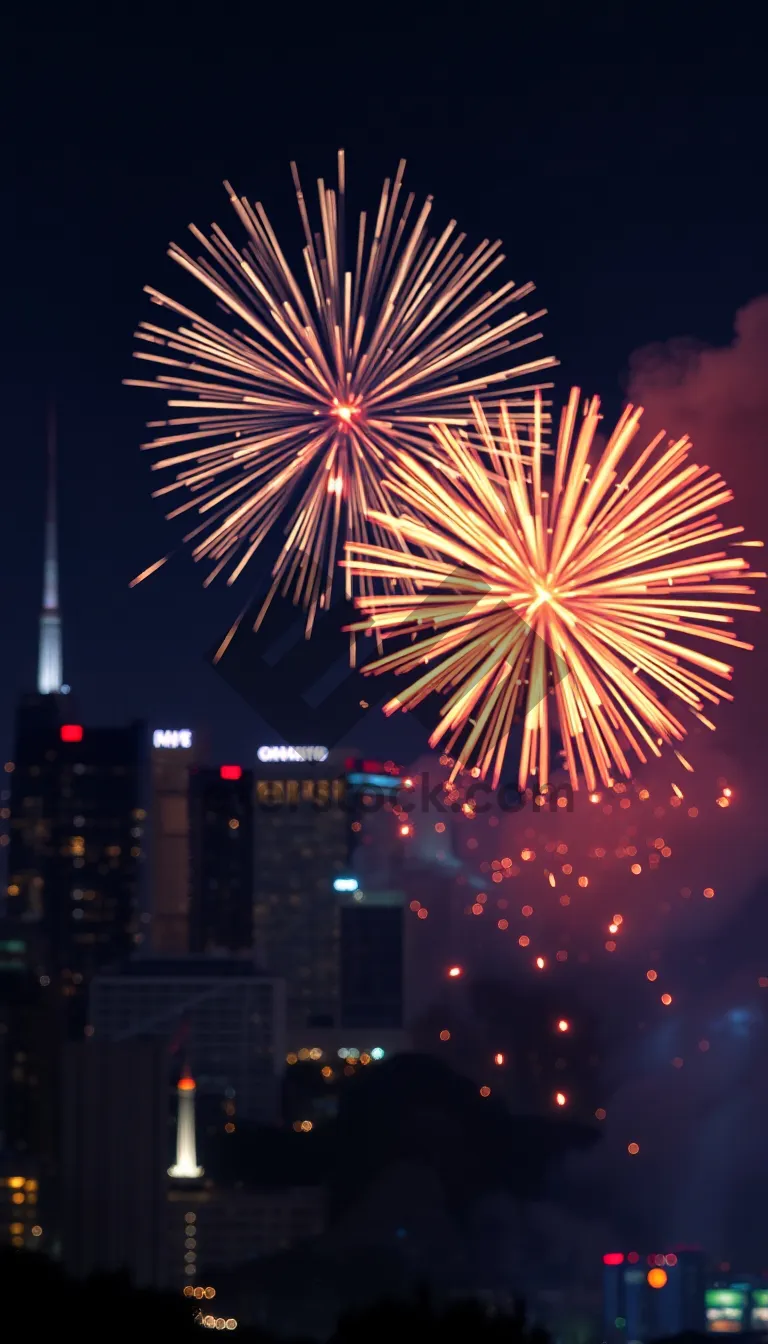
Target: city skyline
(640,286)
(333,1011)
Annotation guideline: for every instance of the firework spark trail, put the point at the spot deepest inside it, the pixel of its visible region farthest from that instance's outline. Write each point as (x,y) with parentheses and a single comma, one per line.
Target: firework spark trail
(303,403)
(572,606)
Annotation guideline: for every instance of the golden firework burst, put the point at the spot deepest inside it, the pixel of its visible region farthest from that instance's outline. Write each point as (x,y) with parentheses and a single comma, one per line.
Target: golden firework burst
(578,602)
(298,403)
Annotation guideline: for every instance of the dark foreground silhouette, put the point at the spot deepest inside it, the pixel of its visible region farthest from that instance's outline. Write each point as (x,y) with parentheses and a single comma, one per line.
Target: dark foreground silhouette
(40,1302)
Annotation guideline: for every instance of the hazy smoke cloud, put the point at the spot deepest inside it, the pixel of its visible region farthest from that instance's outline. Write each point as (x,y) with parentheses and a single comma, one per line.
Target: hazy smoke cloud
(719,397)
(701,1124)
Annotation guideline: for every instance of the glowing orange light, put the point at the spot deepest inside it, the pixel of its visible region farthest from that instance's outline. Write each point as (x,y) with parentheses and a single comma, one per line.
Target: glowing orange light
(633,1148)
(186,1084)
(541,963)
(455,972)
(560,1098)
(709,892)
(485,1091)
(344,413)
(656,1278)
(498,1059)
(563,1024)
(445,1035)
(405,830)
(651,975)
(666,999)
(727,793)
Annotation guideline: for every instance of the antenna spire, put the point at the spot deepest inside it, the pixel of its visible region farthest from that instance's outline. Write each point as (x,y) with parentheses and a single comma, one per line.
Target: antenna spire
(49,664)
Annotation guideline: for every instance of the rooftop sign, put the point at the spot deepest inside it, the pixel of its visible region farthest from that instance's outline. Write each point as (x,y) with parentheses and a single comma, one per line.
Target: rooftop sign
(172,738)
(267,754)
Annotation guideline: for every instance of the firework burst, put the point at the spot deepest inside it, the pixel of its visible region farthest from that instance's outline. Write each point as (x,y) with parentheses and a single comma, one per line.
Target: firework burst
(578,603)
(300,403)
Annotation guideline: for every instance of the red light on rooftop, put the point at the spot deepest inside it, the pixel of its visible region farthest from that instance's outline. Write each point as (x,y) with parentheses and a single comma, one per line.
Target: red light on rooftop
(613,1258)
(230,771)
(186,1084)
(71,732)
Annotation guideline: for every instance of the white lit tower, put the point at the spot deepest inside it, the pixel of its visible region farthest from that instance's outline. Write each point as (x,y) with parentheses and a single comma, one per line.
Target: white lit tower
(185,1167)
(49,666)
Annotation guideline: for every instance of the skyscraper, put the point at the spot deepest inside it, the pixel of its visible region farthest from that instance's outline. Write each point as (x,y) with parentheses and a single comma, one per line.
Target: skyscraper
(173,757)
(76,840)
(301,845)
(76,821)
(221,859)
(372,903)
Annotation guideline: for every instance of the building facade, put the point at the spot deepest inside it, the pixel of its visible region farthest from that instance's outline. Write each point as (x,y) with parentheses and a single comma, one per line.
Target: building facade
(225,1226)
(647,1297)
(115,1136)
(221,859)
(173,755)
(301,834)
(225,1022)
(76,839)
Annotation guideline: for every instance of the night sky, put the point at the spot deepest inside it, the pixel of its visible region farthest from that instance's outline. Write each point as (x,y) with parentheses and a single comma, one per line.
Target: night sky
(640,218)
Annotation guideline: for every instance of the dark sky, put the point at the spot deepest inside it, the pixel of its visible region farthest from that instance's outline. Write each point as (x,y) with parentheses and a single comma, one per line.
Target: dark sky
(639,218)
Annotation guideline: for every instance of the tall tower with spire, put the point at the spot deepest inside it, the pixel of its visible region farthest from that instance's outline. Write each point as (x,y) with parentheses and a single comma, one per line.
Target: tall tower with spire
(49,665)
